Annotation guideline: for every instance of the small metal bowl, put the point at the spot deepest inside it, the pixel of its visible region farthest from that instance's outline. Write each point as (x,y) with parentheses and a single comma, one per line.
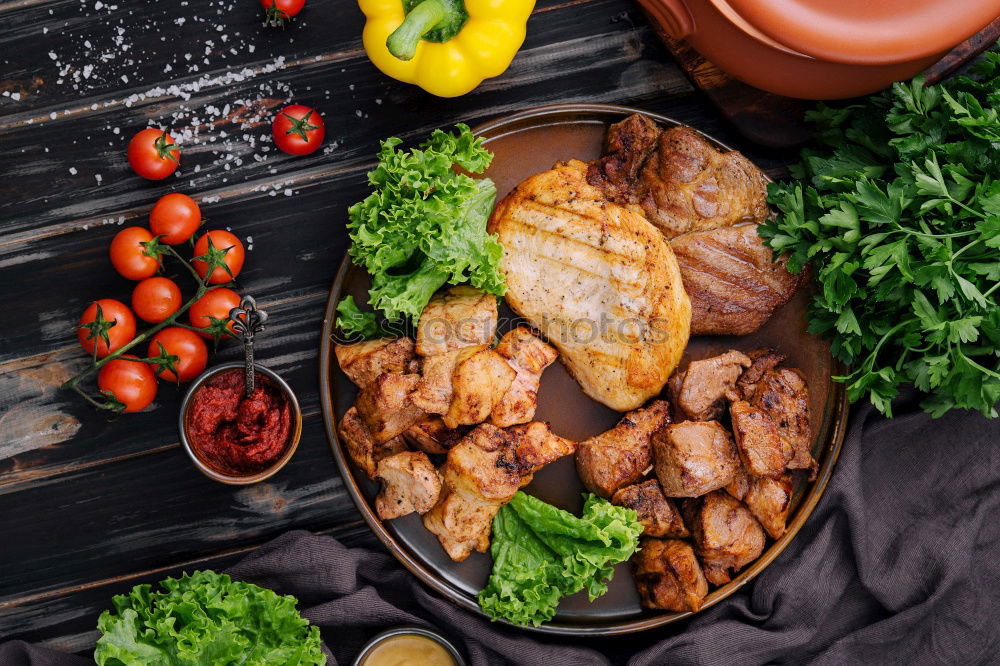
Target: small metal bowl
(409,631)
(215,475)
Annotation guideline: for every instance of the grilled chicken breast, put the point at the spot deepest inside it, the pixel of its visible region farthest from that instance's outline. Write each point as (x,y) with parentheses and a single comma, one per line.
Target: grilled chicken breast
(597,280)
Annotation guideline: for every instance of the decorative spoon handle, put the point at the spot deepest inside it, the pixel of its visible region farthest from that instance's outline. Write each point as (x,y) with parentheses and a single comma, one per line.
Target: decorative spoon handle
(247,321)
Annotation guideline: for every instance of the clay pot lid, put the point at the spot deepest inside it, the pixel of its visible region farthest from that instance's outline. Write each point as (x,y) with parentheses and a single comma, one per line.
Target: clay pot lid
(867,32)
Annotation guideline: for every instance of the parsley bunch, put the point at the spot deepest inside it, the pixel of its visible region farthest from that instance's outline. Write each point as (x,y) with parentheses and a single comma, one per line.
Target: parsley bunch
(898,213)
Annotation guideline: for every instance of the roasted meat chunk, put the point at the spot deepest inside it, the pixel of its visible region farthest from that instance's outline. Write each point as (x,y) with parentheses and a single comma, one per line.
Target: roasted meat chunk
(761,360)
(658,515)
(482,473)
(668,576)
(434,392)
(528,356)
(627,146)
(621,456)
(597,280)
(478,385)
(409,483)
(700,392)
(386,407)
(456,317)
(726,536)
(432,436)
(769,500)
(361,447)
(732,280)
(363,362)
(760,446)
(693,458)
(783,395)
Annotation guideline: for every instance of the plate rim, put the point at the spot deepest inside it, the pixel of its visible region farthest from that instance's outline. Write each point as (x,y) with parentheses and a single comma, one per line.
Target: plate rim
(831,452)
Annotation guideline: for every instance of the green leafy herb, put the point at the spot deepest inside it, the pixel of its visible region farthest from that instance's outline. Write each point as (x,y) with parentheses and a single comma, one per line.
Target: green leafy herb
(541,554)
(355,323)
(899,215)
(206,618)
(425,224)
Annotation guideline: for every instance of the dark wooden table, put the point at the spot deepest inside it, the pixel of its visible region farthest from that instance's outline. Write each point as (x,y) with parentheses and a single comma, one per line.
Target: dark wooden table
(89,505)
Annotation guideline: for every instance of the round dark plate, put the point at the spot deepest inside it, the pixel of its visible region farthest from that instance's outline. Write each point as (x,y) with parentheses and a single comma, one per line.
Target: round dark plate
(524,144)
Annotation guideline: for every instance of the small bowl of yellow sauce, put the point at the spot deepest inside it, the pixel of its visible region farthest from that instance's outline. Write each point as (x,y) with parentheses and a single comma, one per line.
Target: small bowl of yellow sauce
(409,646)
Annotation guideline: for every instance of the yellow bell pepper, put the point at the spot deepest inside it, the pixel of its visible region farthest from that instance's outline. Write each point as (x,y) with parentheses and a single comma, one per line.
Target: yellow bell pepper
(447,47)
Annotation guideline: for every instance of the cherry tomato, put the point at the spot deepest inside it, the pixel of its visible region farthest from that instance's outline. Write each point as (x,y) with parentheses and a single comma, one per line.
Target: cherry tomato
(225,246)
(132,382)
(214,304)
(187,346)
(276,12)
(130,257)
(153,154)
(175,217)
(156,298)
(298,130)
(119,334)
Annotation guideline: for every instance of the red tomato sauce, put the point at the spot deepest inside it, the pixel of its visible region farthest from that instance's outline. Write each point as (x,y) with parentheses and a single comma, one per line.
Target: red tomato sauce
(236,435)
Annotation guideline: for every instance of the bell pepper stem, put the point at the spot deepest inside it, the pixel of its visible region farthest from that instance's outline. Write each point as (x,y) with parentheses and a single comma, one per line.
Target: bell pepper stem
(402,43)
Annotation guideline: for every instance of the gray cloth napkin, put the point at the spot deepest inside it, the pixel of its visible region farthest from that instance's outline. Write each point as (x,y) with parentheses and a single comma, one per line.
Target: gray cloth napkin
(899,564)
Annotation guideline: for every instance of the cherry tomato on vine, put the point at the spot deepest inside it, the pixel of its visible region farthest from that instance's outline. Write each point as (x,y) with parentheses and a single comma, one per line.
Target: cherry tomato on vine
(215,304)
(298,130)
(276,12)
(187,346)
(132,382)
(156,298)
(153,154)
(107,323)
(134,254)
(175,217)
(225,247)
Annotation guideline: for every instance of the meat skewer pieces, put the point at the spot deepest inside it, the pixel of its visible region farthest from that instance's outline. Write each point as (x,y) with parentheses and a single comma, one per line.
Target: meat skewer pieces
(409,483)
(668,576)
(658,515)
(693,458)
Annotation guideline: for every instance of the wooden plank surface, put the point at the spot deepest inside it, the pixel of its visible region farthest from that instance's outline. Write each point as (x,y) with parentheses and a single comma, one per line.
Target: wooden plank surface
(91,505)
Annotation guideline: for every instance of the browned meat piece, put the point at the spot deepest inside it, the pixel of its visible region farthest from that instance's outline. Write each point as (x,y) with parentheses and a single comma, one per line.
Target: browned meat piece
(478,384)
(740,485)
(668,576)
(658,515)
(627,146)
(434,392)
(361,447)
(726,536)
(782,394)
(769,500)
(700,392)
(385,405)
(622,455)
(456,317)
(757,440)
(693,458)
(761,360)
(409,483)
(731,279)
(362,362)
(482,473)
(528,356)
(431,435)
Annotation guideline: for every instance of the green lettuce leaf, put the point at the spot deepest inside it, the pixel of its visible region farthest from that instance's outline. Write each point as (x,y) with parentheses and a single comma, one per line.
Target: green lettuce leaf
(542,553)
(205,618)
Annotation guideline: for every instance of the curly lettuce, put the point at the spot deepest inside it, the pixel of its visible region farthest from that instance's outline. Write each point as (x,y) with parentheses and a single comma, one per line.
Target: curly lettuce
(206,618)
(424,224)
(542,553)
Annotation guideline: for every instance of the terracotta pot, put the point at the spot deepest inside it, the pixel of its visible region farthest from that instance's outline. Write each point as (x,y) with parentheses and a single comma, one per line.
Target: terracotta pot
(822,49)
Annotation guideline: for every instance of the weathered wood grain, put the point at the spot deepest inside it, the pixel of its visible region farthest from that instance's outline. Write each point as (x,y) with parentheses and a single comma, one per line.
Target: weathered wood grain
(89,506)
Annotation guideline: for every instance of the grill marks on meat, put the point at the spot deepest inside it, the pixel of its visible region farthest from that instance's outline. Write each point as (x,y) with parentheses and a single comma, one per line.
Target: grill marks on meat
(708,204)
(783,395)
(481,474)
(668,575)
(528,356)
(597,280)
(726,535)
(732,280)
(621,456)
(699,392)
(409,483)
(693,458)
(757,439)
(658,515)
